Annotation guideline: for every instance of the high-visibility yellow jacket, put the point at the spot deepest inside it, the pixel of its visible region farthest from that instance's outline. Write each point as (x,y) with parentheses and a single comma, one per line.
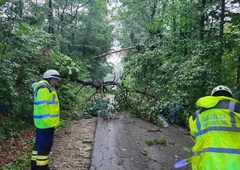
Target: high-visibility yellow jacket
(46,105)
(216,128)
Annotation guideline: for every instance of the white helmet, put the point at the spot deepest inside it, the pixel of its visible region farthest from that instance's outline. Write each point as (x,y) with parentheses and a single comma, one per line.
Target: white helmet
(221,91)
(51,74)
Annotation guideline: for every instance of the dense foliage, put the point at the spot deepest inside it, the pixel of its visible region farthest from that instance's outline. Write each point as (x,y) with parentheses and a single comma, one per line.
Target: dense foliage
(183,50)
(36,36)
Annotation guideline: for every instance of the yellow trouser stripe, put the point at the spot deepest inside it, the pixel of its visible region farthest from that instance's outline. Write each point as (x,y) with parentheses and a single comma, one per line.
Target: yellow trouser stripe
(42,157)
(34,155)
(34,158)
(42,160)
(34,152)
(42,163)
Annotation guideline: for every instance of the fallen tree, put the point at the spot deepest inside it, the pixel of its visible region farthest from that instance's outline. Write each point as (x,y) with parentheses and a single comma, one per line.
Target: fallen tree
(117,51)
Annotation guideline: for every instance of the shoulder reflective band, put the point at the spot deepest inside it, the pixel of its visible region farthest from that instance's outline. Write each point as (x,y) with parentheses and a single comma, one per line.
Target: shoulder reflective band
(222,104)
(43,85)
(226,104)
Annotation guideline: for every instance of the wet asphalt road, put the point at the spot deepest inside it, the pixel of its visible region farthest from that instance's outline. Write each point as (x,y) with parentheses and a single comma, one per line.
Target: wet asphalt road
(120,145)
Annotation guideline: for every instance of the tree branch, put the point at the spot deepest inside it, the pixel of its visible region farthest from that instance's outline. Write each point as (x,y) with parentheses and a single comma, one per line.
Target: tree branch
(97,86)
(105,54)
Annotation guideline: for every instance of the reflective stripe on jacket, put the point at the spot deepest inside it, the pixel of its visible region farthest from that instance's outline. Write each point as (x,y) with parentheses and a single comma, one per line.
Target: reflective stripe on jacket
(46,105)
(216,128)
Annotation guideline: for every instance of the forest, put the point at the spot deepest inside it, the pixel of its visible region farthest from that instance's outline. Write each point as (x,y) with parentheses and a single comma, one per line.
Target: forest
(173,52)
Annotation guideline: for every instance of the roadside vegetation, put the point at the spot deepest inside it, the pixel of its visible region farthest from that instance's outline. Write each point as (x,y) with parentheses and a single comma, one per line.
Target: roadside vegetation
(183,50)
(178,51)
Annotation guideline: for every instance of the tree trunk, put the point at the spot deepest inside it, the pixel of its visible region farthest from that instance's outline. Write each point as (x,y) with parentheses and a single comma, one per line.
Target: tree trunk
(238,71)
(202,20)
(50,17)
(221,38)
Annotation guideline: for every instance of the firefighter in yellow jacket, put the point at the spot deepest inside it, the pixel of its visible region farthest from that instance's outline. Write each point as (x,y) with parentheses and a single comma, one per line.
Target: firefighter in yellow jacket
(46,118)
(216,129)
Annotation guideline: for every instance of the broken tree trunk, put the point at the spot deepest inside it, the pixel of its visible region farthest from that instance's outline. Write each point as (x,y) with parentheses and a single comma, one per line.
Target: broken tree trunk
(109,53)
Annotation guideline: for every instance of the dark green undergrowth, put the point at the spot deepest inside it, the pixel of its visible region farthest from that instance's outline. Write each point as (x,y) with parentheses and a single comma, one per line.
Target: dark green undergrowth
(22,161)
(12,125)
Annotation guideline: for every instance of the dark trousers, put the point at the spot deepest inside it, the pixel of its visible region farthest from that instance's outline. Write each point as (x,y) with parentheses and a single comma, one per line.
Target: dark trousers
(42,148)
